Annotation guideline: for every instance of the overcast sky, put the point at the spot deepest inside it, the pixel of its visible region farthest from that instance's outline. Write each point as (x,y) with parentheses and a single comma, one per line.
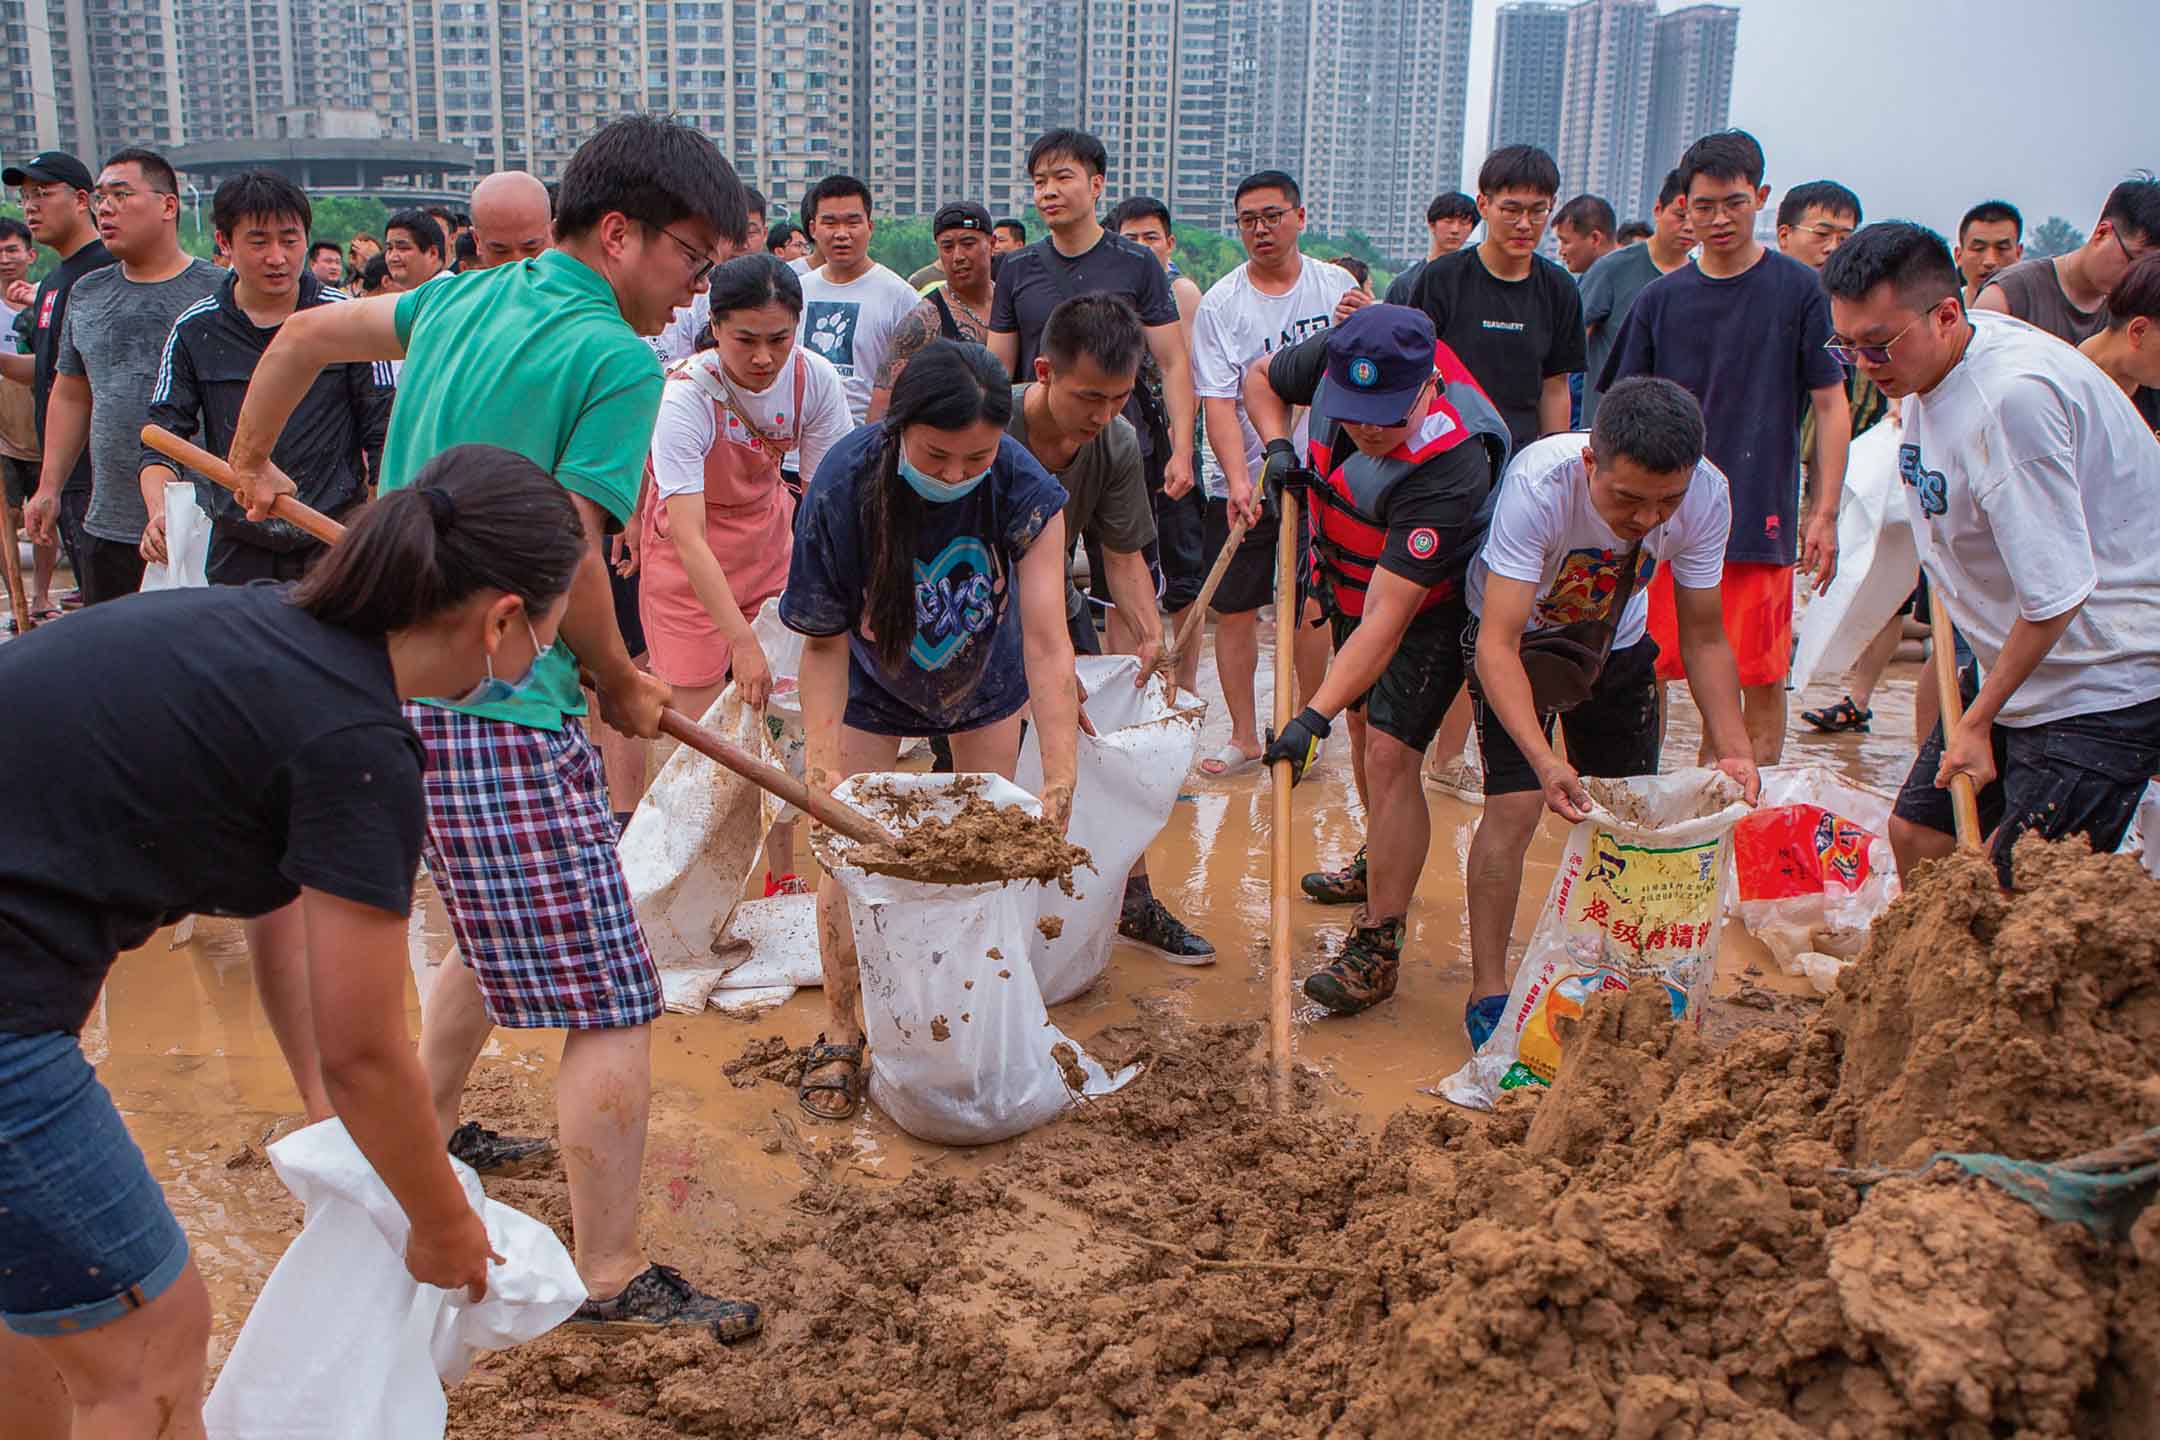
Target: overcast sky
(1925,106)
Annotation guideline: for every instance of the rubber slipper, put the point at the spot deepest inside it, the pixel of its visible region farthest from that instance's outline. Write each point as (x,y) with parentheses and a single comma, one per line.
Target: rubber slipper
(1226,762)
(1481,1017)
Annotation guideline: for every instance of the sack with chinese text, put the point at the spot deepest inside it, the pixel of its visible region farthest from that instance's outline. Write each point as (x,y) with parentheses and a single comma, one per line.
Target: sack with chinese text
(1812,870)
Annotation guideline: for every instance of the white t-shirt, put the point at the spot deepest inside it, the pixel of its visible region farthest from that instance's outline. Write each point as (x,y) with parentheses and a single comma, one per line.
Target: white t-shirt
(2027,442)
(679,340)
(800,264)
(851,325)
(685,429)
(1238,323)
(1546,532)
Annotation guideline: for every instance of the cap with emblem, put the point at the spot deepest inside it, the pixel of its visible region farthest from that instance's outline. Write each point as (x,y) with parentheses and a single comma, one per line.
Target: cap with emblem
(47,166)
(1377,360)
(960,215)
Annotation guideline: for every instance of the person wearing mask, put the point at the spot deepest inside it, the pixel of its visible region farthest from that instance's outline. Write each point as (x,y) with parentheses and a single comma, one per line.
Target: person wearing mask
(853,308)
(1610,286)
(1991,237)
(1402,451)
(2129,349)
(937,485)
(18,406)
(2031,481)
(521,843)
(1577,519)
(511,218)
(2067,295)
(276,728)
(1583,232)
(1449,218)
(956,309)
(414,249)
(57,206)
(326,263)
(1742,329)
(117,321)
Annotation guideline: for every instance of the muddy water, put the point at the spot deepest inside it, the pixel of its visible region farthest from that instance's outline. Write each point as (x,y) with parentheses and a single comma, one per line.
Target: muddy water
(181,1042)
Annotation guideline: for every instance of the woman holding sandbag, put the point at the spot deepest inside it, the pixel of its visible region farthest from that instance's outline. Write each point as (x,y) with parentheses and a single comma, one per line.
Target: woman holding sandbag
(261,759)
(929,581)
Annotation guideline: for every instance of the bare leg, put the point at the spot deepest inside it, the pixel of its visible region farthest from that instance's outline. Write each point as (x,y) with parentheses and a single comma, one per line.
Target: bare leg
(454,1029)
(1237,654)
(1447,746)
(623,758)
(1357,760)
(1188,664)
(1763,706)
(1912,844)
(41,1405)
(860,752)
(1867,673)
(1398,826)
(43,558)
(277,945)
(695,700)
(780,850)
(1495,884)
(139,1377)
(602,1095)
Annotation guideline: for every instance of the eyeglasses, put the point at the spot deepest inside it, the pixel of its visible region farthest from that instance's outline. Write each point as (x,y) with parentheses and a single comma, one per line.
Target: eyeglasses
(1827,231)
(1252,220)
(1730,205)
(702,262)
(1515,213)
(115,197)
(1849,354)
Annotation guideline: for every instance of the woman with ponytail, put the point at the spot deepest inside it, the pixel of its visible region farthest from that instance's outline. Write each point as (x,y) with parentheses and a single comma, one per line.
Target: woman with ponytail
(228,751)
(929,582)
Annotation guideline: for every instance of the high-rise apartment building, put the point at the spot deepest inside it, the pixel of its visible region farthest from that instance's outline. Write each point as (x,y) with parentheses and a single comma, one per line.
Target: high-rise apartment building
(1605,98)
(1387,84)
(959,87)
(44,72)
(1530,46)
(1129,64)
(249,67)
(1691,94)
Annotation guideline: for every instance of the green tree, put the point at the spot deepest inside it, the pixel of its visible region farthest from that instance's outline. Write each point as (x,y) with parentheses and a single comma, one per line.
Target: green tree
(2054,236)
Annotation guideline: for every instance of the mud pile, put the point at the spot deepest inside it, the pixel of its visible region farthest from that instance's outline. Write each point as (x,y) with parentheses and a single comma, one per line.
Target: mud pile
(981,842)
(1659,1246)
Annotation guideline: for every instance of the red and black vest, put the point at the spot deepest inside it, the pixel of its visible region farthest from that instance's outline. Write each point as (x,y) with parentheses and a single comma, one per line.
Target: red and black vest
(1343,524)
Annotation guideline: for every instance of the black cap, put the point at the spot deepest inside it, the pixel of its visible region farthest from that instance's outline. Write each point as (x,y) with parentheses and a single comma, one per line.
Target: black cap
(50,165)
(1377,361)
(960,215)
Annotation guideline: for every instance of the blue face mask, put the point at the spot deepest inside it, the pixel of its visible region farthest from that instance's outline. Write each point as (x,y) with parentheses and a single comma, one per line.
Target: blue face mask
(936,491)
(494,690)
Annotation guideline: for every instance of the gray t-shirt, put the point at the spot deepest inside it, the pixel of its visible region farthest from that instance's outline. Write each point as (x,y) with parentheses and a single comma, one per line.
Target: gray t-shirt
(1105,487)
(2035,293)
(115,337)
(1609,288)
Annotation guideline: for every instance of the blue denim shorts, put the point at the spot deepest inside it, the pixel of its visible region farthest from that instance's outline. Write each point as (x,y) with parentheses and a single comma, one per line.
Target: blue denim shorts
(85,1234)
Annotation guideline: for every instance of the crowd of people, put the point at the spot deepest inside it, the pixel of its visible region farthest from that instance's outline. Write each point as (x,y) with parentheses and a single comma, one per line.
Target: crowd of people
(582,435)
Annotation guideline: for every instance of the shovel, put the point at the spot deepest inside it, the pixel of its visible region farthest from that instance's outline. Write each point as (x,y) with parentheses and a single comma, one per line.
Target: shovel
(1964,801)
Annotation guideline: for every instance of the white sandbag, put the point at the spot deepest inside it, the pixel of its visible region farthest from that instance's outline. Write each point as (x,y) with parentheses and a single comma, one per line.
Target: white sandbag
(960,1041)
(1124,788)
(1812,868)
(1878,565)
(187,542)
(772,942)
(2145,823)
(343,1344)
(1636,900)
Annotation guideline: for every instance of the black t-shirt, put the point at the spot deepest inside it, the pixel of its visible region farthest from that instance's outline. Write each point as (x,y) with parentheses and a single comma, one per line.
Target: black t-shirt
(1402,290)
(1425,513)
(1511,333)
(1036,279)
(201,751)
(48,314)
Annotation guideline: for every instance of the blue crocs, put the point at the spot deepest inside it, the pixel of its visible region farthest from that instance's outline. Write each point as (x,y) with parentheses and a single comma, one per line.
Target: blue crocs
(1481,1017)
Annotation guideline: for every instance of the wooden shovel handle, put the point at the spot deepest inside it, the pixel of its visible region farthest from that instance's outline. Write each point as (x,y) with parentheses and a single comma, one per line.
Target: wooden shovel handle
(1964,801)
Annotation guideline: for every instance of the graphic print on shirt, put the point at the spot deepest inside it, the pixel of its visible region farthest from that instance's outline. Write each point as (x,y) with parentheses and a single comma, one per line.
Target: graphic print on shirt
(1294,332)
(830,327)
(1934,489)
(1584,586)
(957,597)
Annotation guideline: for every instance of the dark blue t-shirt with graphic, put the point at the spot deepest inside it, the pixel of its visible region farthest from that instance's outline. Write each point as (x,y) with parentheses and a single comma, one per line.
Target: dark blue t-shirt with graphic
(964,668)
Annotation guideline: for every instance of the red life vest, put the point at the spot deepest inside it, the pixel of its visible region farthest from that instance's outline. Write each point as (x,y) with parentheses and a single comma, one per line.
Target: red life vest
(1343,522)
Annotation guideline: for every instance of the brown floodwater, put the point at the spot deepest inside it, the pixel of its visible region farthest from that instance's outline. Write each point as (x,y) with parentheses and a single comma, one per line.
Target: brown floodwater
(181,1043)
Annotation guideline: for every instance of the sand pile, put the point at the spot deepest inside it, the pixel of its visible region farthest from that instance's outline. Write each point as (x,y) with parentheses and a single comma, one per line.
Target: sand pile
(1657,1247)
(981,842)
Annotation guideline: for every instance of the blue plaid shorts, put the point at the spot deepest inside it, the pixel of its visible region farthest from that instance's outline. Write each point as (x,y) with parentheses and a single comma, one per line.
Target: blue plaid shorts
(521,845)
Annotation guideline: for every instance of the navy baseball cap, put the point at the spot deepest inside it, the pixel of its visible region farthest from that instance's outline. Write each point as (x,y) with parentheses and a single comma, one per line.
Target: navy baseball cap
(50,165)
(1377,360)
(960,215)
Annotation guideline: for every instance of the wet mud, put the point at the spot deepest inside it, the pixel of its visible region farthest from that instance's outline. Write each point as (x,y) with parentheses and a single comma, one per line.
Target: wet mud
(981,843)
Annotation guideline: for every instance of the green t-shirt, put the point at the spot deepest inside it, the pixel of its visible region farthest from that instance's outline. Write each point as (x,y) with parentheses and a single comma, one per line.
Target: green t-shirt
(537,358)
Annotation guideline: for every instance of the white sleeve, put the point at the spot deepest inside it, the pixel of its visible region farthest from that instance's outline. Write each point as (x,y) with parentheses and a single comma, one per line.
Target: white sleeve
(2038,518)
(826,418)
(1525,526)
(1216,372)
(679,340)
(1700,565)
(682,434)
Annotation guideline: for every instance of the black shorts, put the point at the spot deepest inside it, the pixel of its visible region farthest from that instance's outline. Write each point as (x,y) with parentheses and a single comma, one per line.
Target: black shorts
(1422,678)
(233,561)
(1249,583)
(21,479)
(1080,625)
(2082,775)
(1180,557)
(1612,735)
(627,618)
(110,569)
(74,505)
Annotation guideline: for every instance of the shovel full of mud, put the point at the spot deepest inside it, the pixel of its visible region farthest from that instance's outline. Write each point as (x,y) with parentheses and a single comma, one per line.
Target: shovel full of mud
(960,1039)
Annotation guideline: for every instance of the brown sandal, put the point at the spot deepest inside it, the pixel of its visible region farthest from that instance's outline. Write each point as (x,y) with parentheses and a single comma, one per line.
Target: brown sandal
(821,1055)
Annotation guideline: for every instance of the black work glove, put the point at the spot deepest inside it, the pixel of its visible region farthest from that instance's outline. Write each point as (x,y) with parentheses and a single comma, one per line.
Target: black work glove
(1299,742)
(1280,471)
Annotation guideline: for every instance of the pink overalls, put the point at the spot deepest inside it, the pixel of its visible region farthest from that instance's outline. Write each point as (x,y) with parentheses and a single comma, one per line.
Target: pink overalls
(749,522)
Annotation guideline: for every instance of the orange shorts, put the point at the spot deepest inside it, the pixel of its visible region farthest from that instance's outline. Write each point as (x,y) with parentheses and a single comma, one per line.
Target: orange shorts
(1758,605)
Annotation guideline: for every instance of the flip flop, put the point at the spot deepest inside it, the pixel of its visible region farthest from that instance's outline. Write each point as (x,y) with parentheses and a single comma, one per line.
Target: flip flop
(1226,762)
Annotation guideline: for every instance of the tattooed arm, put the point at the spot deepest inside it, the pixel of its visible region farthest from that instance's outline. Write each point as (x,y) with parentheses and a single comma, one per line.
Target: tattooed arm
(915,330)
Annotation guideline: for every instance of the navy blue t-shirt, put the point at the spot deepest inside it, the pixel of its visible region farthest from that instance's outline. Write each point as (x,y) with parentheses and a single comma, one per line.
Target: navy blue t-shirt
(964,668)
(1750,348)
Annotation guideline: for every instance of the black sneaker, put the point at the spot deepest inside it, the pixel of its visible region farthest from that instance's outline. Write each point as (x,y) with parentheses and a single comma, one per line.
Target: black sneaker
(1338,887)
(1148,923)
(492,1153)
(660,1299)
(1362,975)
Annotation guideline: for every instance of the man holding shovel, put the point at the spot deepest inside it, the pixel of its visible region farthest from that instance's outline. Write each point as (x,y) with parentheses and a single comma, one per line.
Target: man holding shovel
(1404,447)
(543,357)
